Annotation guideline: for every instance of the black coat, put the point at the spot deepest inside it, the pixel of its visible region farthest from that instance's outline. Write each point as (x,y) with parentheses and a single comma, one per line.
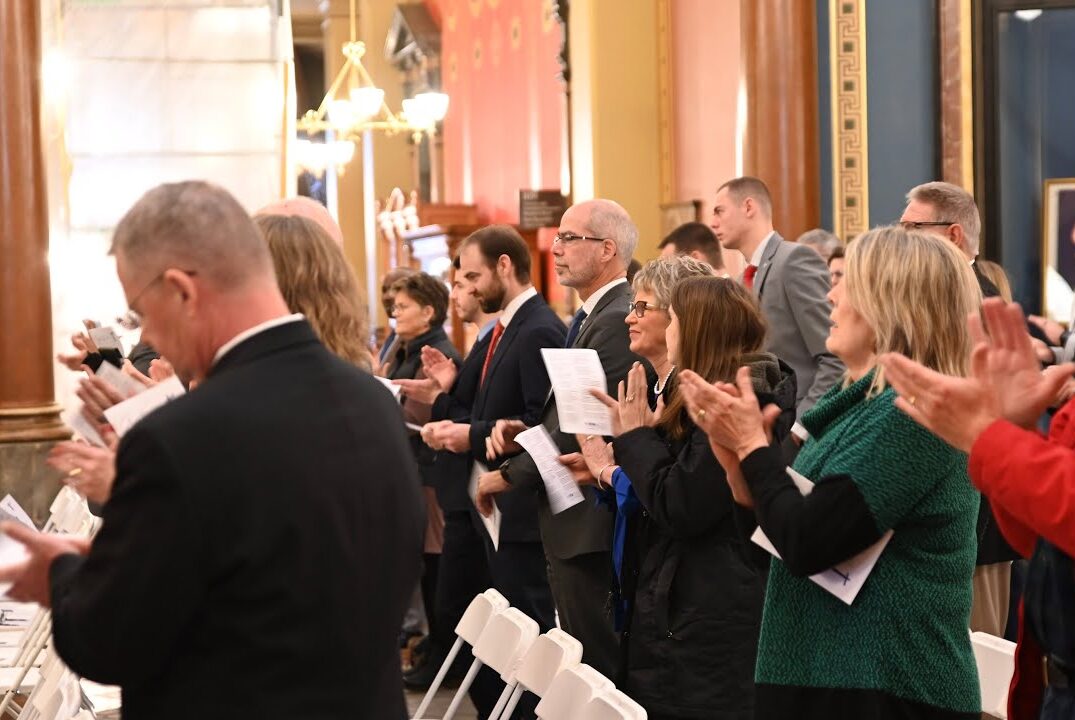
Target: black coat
(407,365)
(261,544)
(692,578)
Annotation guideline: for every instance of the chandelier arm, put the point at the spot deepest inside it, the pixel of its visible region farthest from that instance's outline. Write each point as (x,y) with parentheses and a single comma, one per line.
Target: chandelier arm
(340,77)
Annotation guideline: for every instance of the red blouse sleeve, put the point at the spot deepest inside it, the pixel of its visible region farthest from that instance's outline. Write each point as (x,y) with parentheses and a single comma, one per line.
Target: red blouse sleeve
(1030,482)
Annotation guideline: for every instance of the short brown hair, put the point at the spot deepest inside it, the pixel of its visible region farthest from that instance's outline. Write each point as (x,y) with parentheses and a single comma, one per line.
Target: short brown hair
(427,291)
(316,280)
(695,236)
(496,240)
(719,323)
(745,187)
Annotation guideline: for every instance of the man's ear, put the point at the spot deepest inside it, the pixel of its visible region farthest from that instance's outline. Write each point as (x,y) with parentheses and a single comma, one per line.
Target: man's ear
(956,235)
(184,284)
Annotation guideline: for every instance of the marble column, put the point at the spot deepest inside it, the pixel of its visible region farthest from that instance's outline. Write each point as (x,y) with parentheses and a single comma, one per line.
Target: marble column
(29,416)
(780,139)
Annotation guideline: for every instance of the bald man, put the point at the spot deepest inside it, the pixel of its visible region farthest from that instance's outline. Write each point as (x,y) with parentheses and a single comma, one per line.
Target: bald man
(308,208)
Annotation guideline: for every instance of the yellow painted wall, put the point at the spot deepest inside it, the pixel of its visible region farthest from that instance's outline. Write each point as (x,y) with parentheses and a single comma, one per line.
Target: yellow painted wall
(614,114)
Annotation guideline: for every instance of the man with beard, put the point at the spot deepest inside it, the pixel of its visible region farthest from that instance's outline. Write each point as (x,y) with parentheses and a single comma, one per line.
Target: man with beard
(514,384)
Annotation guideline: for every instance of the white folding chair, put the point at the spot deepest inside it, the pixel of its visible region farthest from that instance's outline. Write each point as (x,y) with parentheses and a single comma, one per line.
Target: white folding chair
(995,658)
(550,653)
(504,640)
(483,607)
(612,705)
(570,691)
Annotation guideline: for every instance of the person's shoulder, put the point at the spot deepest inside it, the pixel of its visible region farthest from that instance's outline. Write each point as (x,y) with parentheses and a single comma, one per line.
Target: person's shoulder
(902,430)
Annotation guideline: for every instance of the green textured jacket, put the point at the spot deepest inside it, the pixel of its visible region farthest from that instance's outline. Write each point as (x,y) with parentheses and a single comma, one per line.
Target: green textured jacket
(906,632)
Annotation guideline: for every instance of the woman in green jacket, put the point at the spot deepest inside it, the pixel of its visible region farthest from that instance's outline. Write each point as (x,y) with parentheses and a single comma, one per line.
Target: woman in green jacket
(901,648)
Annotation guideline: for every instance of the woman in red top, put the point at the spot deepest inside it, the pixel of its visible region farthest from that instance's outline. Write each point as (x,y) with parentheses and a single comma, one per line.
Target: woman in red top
(1029,479)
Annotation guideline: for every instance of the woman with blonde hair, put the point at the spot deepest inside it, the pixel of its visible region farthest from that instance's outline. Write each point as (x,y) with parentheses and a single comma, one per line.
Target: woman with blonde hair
(900,648)
(692,593)
(316,280)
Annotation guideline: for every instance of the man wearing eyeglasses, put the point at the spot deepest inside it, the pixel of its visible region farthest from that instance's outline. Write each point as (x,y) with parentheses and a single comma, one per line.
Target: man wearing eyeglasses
(950,212)
(264,532)
(591,253)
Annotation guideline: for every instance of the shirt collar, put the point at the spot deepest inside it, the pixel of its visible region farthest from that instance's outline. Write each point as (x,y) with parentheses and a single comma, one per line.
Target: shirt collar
(515,304)
(486,329)
(591,302)
(251,332)
(759,253)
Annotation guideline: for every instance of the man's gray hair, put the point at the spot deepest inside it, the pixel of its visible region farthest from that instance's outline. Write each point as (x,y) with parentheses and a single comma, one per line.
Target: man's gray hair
(193,226)
(821,240)
(609,220)
(953,204)
(661,276)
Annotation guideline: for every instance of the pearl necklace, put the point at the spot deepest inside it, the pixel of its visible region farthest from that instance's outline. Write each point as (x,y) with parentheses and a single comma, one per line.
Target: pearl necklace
(660,385)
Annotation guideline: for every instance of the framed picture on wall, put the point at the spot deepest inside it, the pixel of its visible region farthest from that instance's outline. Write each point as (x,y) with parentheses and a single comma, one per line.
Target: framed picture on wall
(675,214)
(1058,248)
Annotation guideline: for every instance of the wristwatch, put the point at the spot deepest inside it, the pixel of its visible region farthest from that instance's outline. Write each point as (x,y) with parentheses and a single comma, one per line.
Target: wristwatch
(504,471)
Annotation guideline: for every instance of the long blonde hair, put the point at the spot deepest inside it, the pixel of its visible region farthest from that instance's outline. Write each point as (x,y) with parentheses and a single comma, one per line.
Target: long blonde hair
(915,291)
(316,280)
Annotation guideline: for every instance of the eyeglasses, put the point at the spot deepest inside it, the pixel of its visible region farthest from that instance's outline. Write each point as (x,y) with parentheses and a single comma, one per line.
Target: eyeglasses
(132,319)
(912,225)
(565,238)
(640,307)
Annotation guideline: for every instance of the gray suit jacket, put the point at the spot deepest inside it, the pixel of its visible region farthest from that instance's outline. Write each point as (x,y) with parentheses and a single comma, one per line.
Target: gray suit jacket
(791,286)
(586,527)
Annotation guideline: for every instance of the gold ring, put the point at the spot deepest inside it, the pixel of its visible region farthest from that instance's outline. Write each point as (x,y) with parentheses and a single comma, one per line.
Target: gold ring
(701,414)
(74,471)
(589,437)
(630,398)
(911,400)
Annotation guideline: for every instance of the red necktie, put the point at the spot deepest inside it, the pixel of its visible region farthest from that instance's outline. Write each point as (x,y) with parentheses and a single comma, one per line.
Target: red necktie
(498,330)
(748,276)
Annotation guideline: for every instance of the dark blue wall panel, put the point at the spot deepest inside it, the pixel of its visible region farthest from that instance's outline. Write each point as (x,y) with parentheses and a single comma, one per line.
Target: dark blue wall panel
(903,115)
(824,114)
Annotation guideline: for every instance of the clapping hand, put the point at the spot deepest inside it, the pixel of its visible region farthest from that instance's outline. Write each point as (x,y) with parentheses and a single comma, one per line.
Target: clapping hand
(630,409)
(447,435)
(501,440)
(30,577)
(729,414)
(438,367)
(83,346)
(1005,381)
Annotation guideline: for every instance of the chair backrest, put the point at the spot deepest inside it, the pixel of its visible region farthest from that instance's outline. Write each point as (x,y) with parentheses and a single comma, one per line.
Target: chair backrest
(570,691)
(477,614)
(550,653)
(996,662)
(612,705)
(506,638)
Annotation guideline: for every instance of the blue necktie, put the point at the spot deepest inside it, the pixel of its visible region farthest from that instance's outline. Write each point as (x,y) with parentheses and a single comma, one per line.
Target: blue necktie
(573,331)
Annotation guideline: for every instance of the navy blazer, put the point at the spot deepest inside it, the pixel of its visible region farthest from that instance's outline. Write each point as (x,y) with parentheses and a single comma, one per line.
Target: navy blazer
(516,385)
(451,471)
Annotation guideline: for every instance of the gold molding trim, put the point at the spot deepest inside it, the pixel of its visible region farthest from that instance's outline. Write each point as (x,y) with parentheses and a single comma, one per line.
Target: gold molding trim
(850,156)
(666,140)
(966,96)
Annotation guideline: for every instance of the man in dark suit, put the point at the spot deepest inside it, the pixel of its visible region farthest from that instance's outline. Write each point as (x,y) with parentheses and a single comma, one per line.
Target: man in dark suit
(264,532)
(591,252)
(791,283)
(949,211)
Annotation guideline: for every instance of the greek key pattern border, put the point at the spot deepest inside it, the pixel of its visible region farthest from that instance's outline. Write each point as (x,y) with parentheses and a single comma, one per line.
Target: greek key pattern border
(850,155)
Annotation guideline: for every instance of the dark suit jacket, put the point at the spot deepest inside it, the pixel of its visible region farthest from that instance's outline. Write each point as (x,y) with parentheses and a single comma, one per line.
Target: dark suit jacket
(516,386)
(992,547)
(261,544)
(452,470)
(584,528)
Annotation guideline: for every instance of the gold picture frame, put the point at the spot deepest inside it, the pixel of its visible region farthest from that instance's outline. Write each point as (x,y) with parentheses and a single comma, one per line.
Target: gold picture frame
(1058,248)
(675,214)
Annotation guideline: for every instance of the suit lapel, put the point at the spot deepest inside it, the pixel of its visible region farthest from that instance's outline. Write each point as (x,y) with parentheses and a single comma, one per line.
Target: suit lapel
(766,263)
(510,333)
(615,294)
